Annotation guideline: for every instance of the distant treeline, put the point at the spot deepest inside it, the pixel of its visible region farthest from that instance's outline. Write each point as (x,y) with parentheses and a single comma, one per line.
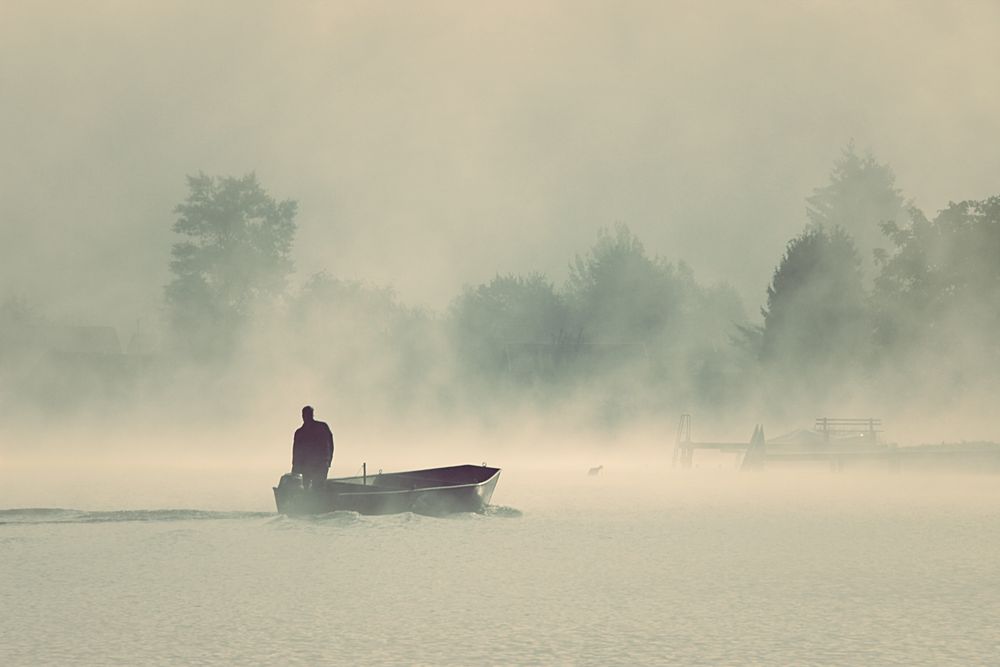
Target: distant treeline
(871,299)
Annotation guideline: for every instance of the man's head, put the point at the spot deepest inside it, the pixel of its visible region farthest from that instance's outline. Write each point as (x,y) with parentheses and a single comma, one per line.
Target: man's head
(307,414)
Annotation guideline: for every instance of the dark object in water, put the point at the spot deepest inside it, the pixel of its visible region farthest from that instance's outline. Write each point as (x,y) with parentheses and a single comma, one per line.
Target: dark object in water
(595,471)
(435,491)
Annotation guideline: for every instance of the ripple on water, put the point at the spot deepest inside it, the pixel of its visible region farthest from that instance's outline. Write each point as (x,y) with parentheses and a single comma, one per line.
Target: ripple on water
(45,515)
(503,511)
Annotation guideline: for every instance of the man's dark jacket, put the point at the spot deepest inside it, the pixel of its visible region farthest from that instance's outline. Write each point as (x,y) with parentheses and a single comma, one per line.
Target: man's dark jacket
(312,446)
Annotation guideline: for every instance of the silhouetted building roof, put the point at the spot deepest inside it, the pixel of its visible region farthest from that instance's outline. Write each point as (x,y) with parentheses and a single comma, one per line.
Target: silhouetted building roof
(799,437)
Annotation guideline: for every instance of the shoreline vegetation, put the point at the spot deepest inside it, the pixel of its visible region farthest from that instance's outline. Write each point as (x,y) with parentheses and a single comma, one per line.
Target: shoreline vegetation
(873,306)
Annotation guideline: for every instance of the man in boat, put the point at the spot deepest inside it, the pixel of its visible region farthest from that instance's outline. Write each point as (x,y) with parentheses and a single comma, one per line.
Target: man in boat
(312,450)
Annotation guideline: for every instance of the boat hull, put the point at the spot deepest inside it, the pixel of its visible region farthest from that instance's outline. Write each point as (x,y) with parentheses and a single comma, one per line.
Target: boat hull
(436,491)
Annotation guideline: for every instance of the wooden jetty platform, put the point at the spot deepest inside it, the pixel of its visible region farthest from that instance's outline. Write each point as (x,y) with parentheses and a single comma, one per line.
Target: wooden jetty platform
(840,443)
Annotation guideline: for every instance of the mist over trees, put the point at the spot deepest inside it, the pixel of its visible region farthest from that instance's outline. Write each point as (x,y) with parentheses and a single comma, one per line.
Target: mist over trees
(816,327)
(872,300)
(627,330)
(235,258)
(509,310)
(860,197)
(361,340)
(937,299)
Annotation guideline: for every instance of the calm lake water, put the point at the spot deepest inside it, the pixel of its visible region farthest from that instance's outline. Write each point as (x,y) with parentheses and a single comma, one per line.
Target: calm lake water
(626,568)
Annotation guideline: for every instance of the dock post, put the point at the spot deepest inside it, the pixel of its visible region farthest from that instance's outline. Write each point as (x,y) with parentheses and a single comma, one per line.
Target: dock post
(364,474)
(682,444)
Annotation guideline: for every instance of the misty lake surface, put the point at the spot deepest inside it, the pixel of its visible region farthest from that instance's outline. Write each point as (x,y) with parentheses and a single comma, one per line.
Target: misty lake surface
(700,569)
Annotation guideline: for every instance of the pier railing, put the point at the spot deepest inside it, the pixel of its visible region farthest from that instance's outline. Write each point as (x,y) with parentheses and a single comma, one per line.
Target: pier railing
(835,427)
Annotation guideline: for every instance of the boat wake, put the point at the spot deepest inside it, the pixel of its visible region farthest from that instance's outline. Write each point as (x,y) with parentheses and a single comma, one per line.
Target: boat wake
(329,518)
(40,515)
(343,518)
(502,511)
(50,515)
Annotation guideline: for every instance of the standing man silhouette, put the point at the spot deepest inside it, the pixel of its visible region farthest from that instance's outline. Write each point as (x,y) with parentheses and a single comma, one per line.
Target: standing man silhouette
(312,450)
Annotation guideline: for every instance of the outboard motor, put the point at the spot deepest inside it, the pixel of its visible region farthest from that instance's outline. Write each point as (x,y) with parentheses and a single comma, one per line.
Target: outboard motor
(291,482)
(288,491)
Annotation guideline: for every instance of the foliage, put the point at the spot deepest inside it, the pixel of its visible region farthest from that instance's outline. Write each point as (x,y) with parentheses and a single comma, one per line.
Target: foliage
(938,288)
(860,197)
(626,328)
(508,309)
(816,319)
(619,294)
(328,305)
(236,255)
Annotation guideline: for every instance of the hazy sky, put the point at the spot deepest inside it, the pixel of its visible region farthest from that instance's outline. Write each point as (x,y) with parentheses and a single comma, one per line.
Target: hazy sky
(433,144)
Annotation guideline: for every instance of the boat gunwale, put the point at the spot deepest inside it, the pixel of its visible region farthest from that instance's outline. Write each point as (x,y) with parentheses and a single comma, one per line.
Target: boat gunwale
(414,490)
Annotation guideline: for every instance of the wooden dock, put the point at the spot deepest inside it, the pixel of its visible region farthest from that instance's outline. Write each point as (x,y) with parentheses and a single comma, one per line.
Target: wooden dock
(841,443)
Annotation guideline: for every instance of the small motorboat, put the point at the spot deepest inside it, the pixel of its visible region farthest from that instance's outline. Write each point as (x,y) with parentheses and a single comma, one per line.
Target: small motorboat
(435,491)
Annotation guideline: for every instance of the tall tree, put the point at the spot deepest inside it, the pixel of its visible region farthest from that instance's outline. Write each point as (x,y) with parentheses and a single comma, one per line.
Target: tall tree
(860,196)
(236,255)
(815,321)
(937,292)
(508,309)
(619,293)
(671,332)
